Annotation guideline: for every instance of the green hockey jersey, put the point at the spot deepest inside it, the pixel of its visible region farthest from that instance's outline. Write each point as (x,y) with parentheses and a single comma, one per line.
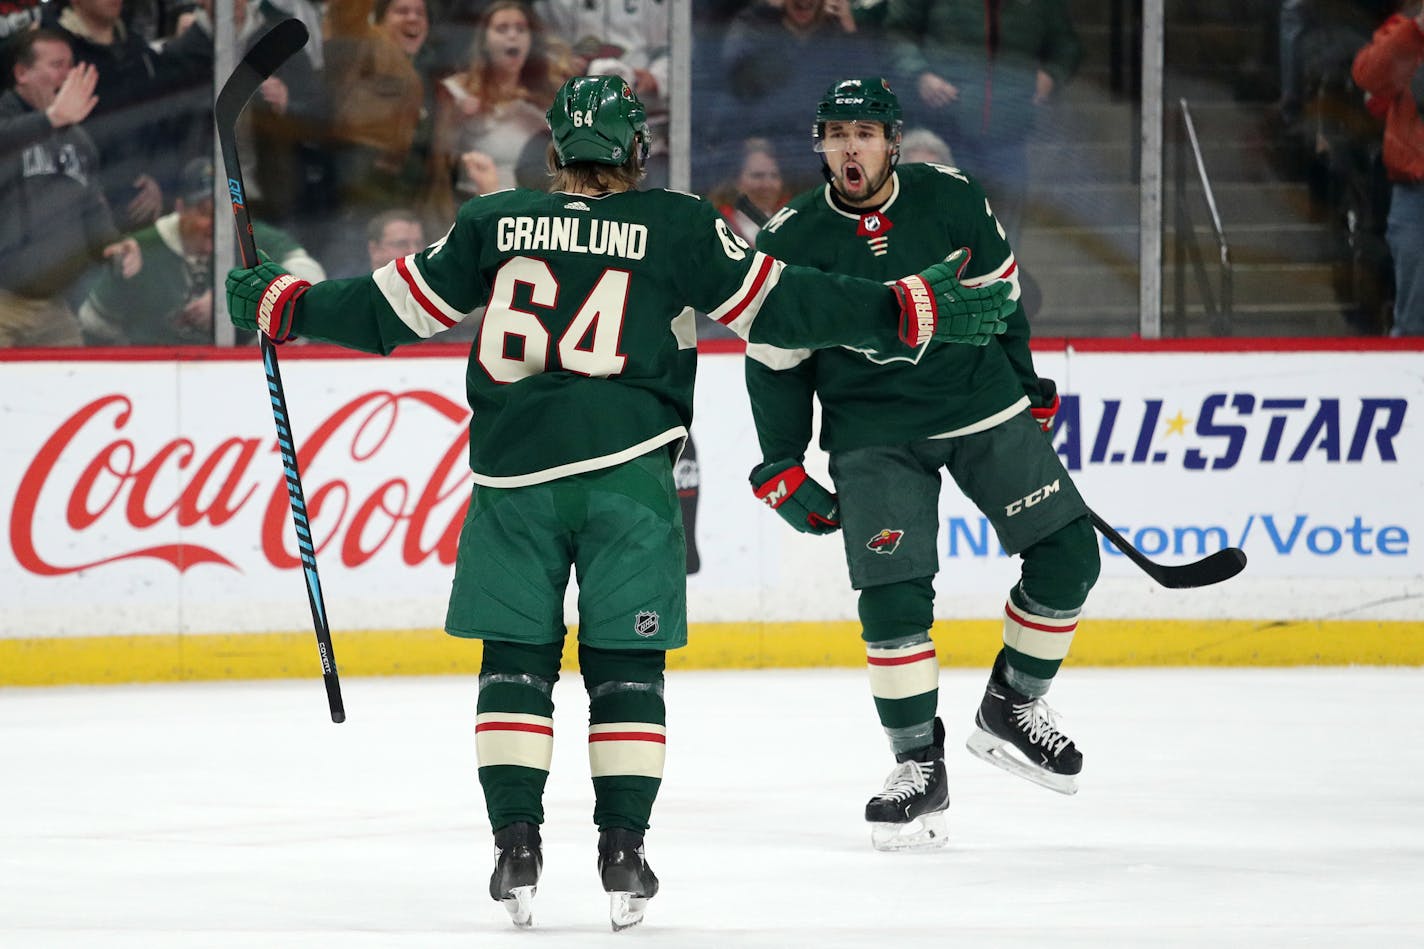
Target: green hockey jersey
(586,354)
(869,395)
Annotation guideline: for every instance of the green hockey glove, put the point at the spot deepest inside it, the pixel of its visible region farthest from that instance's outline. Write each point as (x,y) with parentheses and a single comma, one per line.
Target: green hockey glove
(1044,407)
(795,495)
(264,298)
(934,304)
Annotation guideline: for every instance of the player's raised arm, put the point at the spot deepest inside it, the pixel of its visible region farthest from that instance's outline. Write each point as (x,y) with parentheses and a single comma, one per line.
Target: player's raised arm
(766,301)
(411,298)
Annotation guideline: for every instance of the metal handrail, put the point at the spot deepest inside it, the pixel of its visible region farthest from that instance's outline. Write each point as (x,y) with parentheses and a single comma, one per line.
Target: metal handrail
(1218,306)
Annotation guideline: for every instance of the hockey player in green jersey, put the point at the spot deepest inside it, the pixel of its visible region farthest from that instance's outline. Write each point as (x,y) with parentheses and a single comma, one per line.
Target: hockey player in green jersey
(891,420)
(581,383)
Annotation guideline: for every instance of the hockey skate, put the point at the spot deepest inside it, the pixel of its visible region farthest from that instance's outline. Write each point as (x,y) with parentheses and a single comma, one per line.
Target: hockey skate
(908,813)
(1019,734)
(518,860)
(627,878)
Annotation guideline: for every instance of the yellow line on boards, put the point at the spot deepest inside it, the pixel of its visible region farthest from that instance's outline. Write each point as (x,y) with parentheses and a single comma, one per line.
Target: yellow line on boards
(962,643)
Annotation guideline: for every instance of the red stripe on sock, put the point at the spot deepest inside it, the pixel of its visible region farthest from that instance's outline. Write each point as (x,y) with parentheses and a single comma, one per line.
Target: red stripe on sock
(628,736)
(900,660)
(514,727)
(1022,621)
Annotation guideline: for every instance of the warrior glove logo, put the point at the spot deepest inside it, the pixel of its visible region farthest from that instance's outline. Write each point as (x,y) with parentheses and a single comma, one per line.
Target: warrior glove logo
(645,624)
(885,542)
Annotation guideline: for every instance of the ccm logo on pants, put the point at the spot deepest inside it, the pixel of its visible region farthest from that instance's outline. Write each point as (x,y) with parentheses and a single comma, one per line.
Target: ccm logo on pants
(1031,498)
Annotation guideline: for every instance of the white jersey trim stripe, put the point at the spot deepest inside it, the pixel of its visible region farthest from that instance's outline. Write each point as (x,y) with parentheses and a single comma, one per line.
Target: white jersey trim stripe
(776,358)
(414,303)
(587,464)
(1008,270)
(984,424)
(739,310)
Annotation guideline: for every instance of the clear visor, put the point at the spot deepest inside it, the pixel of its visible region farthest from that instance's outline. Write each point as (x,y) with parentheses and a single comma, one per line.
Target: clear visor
(843,136)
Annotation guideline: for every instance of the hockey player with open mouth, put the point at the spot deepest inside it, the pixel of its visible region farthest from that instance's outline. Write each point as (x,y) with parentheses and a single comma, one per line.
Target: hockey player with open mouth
(581,383)
(891,421)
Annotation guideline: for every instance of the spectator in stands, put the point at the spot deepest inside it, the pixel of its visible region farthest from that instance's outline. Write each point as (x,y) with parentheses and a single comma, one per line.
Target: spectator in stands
(17,16)
(758,192)
(778,58)
(128,124)
(1389,71)
(489,112)
(980,74)
(55,221)
(380,136)
(627,38)
(169,301)
(392,234)
(920,144)
(377,93)
(279,134)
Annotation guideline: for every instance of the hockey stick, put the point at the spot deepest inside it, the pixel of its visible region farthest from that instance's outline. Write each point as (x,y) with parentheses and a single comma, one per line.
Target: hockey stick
(1213,568)
(274,48)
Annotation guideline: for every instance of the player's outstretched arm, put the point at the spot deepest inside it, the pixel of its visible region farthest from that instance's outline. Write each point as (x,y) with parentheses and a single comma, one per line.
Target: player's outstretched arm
(935,305)
(352,313)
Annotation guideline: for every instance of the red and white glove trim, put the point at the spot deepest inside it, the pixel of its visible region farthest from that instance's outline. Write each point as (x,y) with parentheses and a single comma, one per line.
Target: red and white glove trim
(919,310)
(279,299)
(778,489)
(1044,415)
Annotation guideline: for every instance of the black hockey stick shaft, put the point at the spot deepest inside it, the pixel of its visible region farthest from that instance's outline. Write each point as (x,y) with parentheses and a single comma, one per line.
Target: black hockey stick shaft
(1214,568)
(270,51)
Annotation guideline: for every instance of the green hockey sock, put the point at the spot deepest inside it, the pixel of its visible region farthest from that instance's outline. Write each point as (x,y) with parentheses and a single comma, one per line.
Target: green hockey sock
(514,729)
(627,733)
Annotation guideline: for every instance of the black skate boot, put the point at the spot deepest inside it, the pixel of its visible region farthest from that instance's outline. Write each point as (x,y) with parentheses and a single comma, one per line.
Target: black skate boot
(518,860)
(627,878)
(1009,719)
(908,813)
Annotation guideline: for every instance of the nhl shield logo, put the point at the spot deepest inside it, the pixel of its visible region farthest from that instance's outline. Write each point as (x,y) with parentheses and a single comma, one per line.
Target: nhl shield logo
(873,224)
(885,542)
(645,624)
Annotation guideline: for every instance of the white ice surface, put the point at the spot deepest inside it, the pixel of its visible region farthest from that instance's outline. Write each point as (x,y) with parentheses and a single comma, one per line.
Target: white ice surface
(1253,808)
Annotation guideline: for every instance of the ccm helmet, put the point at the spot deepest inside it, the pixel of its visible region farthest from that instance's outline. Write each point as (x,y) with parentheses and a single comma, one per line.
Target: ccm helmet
(852,100)
(598,119)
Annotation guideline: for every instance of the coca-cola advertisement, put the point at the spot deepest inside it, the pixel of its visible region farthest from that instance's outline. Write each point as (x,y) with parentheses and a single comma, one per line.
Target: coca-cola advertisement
(147,495)
(153,491)
(143,493)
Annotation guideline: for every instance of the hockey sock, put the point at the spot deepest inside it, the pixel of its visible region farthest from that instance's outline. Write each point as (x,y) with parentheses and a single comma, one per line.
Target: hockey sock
(904,672)
(627,733)
(514,728)
(1042,611)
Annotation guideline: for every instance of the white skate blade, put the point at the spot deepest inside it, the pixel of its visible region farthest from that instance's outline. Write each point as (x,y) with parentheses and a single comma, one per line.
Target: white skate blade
(1001,754)
(926,832)
(625,910)
(520,906)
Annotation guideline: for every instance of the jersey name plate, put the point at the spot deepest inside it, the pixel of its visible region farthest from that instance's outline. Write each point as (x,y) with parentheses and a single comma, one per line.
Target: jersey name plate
(573,234)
